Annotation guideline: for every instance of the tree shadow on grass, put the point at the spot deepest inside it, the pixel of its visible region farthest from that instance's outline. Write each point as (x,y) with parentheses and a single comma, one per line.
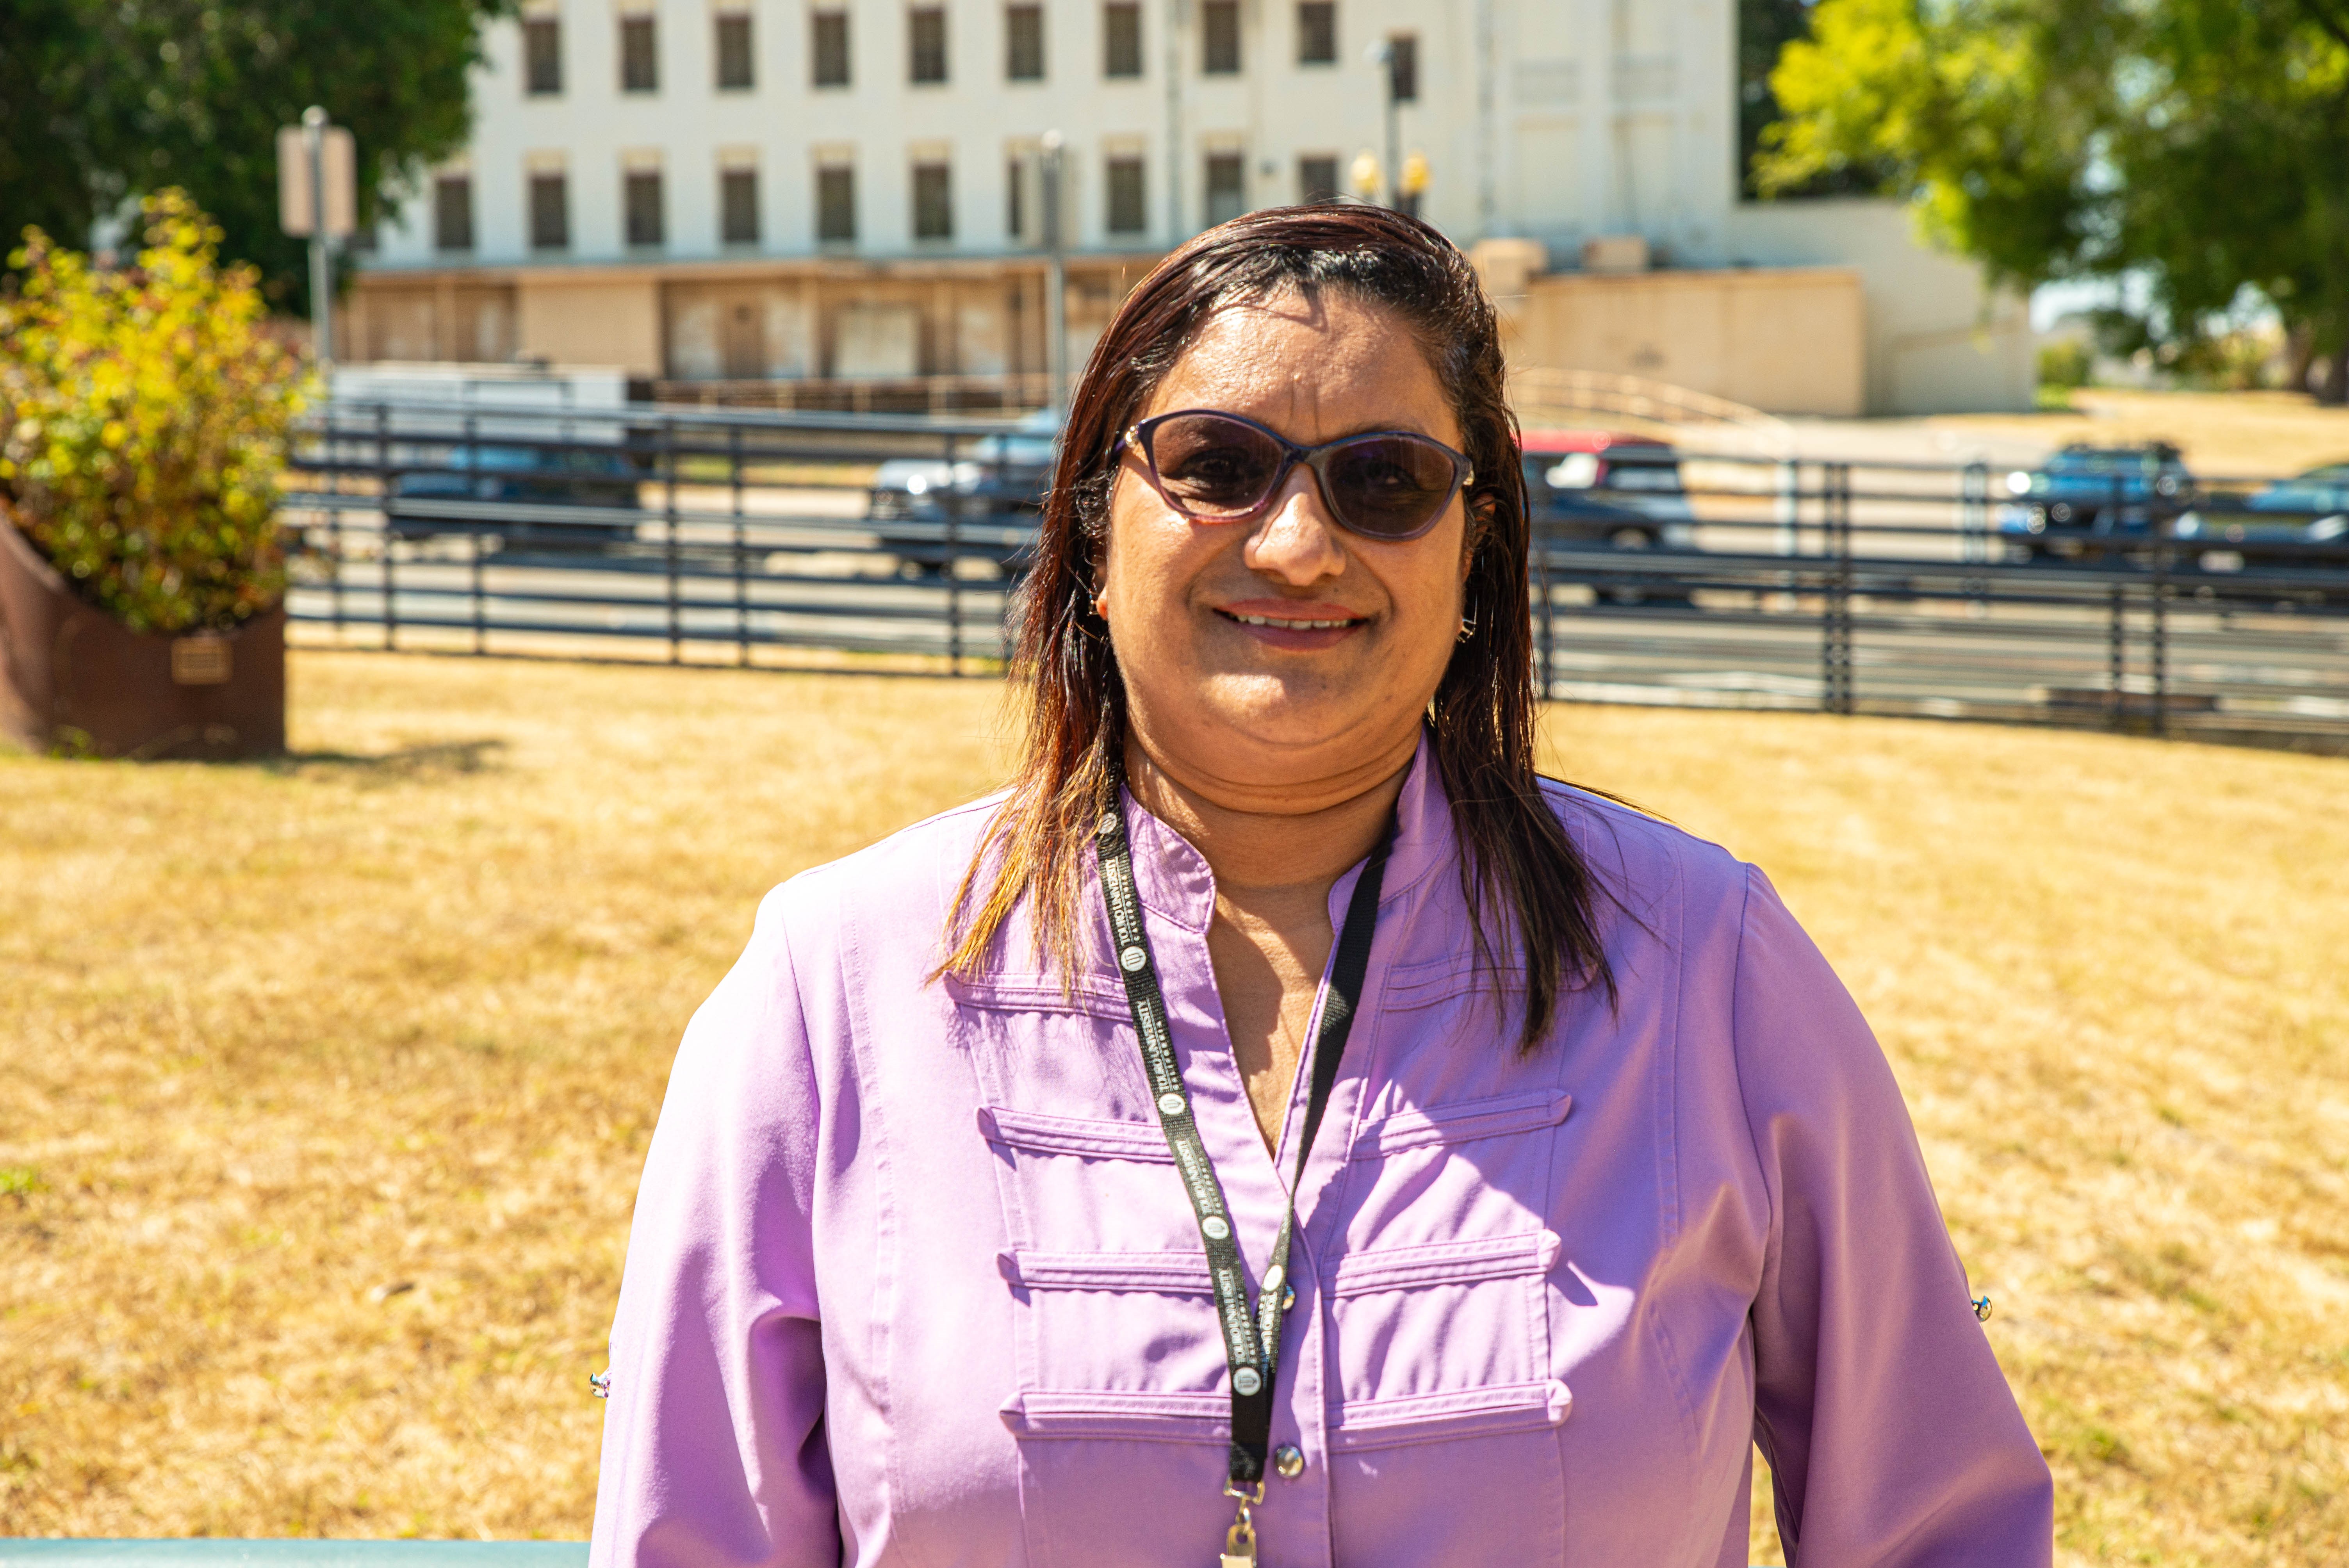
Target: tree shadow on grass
(440,759)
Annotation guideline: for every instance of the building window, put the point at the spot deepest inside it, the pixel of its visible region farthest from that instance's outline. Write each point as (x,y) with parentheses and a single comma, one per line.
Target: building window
(1023,43)
(1015,198)
(643,192)
(738,206)
(1317,178)
(835,205)
(1220,37)
(933,201)
(542,53)
(734,69)
(1126,215)
(1121,40)
(639,66)
(1227,187)
(925,33)
(452,212)
(1403,68)
(1316,33)
(550,212)
(831,48)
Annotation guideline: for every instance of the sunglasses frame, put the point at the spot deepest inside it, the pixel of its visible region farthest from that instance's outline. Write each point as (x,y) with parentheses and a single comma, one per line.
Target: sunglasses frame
(1137,437)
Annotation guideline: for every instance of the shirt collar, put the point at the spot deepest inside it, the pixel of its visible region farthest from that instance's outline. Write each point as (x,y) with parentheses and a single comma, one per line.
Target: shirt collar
(1175,883)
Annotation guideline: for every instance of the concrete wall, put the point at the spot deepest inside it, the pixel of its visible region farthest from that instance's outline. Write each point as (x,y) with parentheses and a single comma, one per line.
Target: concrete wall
(592,317)
(1938,340)
(1789,341)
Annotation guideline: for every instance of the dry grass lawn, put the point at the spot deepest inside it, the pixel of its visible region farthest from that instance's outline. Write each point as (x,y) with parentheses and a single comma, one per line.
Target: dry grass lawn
(324,1085)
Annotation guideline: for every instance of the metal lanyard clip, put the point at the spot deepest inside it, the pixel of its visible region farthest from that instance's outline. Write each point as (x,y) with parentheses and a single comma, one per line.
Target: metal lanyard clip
(1240,1541)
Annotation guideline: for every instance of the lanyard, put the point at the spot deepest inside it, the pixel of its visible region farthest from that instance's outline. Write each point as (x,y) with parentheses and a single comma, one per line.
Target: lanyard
(1251,1340)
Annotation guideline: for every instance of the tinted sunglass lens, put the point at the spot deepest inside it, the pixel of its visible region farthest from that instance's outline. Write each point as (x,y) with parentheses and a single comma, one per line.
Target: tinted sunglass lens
(1390,486)
(1213,467)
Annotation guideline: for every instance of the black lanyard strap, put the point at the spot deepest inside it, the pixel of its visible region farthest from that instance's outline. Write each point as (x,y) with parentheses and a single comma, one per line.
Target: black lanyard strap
(1251,1339)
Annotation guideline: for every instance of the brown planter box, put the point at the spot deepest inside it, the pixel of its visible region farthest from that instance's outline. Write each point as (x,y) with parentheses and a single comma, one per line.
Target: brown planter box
(73,678)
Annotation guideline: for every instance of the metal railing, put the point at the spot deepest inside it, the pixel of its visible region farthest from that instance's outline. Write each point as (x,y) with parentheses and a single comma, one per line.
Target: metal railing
(1744,581)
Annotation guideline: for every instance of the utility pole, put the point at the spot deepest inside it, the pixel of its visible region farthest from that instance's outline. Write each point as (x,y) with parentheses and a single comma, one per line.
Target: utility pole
(1056,270)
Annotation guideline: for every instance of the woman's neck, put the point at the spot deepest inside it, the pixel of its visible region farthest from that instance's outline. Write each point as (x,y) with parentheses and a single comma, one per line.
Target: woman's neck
(1297,833)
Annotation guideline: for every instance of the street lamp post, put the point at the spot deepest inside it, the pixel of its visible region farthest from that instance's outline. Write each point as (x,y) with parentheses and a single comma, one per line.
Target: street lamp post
(321,297)
(1383,55)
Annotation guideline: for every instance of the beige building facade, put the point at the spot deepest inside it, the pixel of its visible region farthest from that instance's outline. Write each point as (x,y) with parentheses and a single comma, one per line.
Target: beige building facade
(840,202)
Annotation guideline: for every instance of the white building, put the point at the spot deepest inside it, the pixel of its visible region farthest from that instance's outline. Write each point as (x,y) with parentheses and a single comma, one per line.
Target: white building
(843,195)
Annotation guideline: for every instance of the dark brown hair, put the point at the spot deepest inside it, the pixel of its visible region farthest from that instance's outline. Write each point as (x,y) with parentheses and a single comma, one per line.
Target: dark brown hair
(1526,886)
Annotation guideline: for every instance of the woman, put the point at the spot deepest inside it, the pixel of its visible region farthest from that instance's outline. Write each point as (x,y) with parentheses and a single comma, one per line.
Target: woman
(967,1235)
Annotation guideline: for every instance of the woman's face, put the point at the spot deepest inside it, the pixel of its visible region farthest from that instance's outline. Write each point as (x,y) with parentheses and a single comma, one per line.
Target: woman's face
(1281,649)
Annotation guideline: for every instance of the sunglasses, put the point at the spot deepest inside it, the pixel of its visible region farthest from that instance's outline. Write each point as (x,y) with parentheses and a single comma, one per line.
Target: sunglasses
(1221,467)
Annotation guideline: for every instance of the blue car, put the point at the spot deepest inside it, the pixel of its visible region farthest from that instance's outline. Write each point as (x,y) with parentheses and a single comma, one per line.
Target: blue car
(534,487)
(2086,501)
(2303,521)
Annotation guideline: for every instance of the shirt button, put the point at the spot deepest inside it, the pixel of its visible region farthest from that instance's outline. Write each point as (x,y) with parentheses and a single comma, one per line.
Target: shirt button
(1289,1460)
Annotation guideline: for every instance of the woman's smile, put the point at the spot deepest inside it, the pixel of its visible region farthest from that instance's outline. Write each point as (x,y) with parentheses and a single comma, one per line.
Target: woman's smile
(1293,627)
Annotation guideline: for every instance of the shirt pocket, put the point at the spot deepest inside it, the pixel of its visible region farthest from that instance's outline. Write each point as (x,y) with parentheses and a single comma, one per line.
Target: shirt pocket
(1442,1336)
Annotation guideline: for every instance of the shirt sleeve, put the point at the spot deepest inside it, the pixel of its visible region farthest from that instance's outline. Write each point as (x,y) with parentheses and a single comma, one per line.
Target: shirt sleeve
(714,1449)
(1893,1437)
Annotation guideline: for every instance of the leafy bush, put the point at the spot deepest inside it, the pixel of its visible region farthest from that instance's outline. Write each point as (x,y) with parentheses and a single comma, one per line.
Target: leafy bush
(2066,363)
(145,413)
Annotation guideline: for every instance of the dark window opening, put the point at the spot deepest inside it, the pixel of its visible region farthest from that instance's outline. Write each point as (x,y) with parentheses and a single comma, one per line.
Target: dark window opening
(1220,37)
(542,48)
(1015,198)
(738,206)
(644,205)
(1126,213)
(831,48)
(1121,40)
(452,212)
(835,204)
(933,201)
(1023,43)
(735,71)
(550,212)
(1316,33)
(1317,179)
(639,66)
(1227,187)
(1403,68)
(925,33)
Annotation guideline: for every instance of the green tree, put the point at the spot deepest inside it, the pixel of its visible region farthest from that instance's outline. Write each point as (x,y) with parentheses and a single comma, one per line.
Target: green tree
(1764,28)
(2197,145)
(102,101)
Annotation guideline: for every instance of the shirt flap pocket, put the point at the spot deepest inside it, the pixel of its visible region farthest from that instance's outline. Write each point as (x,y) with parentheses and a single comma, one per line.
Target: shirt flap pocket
(1496,1117)
(1095,995)
(1445,1263)
(1432,1418)
(1149,1418)
(1035,1132)
(1166,1274)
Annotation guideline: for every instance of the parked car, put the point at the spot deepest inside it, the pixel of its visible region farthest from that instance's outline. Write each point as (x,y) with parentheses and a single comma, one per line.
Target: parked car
(1588,487)
(2086,501)
(995,493)
(2299,524)
(553,476)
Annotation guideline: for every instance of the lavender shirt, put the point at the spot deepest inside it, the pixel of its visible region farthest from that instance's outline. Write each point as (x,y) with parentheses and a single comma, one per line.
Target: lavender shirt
(913,1281)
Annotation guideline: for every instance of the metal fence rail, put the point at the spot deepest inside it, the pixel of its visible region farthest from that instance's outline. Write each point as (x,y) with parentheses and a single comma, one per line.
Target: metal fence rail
(1840,586)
